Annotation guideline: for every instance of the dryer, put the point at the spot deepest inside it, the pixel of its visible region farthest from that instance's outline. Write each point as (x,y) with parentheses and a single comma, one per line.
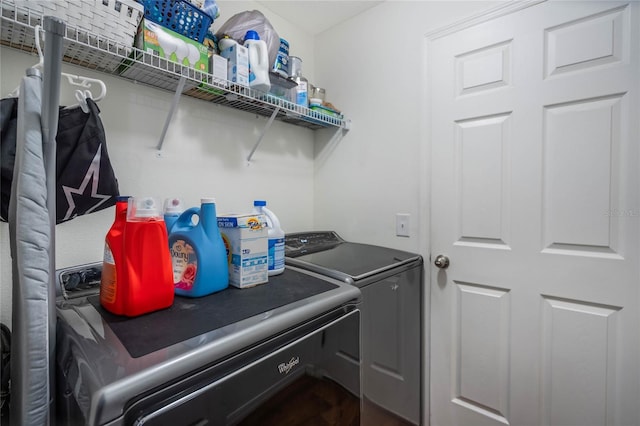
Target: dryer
(391,282)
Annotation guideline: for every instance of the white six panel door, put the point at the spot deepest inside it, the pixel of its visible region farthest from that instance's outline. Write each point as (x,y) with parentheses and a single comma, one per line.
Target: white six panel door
(535,200)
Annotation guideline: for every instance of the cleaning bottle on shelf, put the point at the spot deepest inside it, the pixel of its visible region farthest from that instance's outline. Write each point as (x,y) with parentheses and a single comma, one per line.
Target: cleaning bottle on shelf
(173,208)
(300,92)
(275,235)
(258,62)
(198,253)
(281,65)
(113,266)
(226,42)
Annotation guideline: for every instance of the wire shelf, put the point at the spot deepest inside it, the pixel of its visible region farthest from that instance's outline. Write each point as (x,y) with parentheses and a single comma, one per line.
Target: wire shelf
(99,53)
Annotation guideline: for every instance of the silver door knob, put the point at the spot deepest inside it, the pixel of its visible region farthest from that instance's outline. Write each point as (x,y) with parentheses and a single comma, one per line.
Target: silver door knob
(441,261)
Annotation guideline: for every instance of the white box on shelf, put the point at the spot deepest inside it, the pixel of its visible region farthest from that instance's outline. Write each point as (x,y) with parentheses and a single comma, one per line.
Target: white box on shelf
(218,68)
(238,68)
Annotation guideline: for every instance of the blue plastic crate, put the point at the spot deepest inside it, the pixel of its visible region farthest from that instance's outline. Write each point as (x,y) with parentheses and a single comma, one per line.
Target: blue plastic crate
(179,16)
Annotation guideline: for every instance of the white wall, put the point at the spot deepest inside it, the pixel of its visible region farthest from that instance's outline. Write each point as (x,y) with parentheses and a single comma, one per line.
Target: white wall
(203,154)
(373,68)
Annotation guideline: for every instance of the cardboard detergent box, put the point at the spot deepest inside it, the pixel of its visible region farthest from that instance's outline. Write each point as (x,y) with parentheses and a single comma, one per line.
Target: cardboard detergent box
(238,67)
(245,236)
(164,43)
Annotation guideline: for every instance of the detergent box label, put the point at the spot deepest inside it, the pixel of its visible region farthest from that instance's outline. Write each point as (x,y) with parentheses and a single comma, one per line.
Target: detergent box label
(164,43)
(246,240)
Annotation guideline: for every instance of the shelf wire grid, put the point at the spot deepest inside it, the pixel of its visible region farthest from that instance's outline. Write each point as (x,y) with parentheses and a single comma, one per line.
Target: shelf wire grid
(99,53)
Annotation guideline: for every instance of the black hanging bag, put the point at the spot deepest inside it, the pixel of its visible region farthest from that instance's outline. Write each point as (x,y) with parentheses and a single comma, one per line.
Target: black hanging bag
(86,182)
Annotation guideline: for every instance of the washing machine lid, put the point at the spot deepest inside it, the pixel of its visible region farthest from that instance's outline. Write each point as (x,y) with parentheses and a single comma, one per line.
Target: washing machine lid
(94,360)
(327,253)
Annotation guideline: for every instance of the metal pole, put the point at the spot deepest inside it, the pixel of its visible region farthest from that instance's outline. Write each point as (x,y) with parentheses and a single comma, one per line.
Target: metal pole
(54,32)
(264,132)
(172,110)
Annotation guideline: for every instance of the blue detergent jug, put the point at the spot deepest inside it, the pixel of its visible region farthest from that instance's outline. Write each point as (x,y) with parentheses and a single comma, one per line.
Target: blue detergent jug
(198,254)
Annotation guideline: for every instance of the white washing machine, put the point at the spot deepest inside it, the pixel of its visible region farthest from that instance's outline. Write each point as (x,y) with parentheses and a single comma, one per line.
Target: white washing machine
(210,360)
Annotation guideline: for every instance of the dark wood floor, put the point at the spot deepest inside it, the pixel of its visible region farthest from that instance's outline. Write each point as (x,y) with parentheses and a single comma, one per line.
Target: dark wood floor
(376,416)
(315,402)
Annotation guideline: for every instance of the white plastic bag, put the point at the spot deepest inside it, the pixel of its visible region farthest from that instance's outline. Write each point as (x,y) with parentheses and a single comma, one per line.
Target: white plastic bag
(237,26)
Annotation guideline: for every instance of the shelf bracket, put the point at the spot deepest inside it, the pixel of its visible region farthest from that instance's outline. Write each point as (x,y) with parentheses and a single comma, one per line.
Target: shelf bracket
(264,132)
(172,110)
(342,130)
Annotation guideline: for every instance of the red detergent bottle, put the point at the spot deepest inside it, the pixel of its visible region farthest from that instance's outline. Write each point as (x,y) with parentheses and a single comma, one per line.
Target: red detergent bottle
(113,262)
(145,283)
(149,273)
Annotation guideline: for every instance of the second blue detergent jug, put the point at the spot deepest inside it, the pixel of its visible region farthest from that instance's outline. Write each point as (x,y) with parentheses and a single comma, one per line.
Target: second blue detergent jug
(198,254)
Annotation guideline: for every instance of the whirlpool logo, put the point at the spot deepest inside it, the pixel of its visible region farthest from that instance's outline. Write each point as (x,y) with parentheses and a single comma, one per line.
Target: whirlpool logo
(285,367)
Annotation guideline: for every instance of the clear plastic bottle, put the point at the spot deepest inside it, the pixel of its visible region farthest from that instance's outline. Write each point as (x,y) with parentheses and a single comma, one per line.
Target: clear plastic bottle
(299,93)
(276,238)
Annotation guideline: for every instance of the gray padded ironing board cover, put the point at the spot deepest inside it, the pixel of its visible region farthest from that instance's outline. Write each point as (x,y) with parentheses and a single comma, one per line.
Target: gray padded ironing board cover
(30,234)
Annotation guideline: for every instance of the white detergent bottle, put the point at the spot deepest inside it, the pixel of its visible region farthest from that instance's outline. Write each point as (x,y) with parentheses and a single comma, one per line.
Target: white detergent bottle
(173,208)
(276,238)
(258,62)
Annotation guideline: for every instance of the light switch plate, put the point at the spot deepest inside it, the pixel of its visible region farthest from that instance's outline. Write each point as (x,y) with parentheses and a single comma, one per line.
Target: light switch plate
(402,224)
